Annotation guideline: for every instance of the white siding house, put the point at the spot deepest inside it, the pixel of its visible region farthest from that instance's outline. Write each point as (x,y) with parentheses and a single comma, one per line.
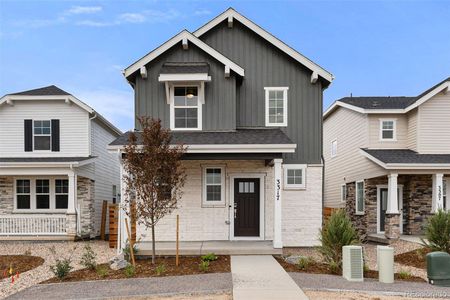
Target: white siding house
(55,170)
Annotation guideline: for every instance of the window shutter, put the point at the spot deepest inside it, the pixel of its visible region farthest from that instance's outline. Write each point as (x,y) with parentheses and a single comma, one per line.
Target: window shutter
(28,135)
(55,135)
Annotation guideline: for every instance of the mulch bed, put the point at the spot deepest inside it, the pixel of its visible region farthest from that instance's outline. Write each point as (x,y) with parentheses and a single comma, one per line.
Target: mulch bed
(18,263)
(189,265)
(415,258)
(315,267)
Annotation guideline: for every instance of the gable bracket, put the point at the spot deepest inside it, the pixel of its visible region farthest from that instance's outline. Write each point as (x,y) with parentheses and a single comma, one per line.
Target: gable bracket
(10,102)
(230,21)
(314,77)
(227,71)
(143,71)
(185,43)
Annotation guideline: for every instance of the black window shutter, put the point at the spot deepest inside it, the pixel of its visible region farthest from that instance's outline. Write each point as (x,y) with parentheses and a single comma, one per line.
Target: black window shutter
(55,135)
(28,136)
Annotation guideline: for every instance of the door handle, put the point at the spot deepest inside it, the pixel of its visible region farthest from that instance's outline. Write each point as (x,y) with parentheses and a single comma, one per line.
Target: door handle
(235,213)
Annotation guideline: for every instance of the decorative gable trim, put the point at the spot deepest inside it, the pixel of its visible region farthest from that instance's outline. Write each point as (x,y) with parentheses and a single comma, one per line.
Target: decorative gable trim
(231,14)
(186,36)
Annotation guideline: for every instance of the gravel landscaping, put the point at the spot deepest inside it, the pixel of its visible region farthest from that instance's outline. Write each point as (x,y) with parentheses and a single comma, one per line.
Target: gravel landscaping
(42,249)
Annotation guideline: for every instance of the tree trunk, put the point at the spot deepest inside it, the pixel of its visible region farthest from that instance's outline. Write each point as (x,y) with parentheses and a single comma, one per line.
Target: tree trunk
(153,245)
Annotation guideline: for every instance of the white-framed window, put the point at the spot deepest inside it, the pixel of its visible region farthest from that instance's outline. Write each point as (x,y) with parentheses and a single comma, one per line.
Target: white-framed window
(343,192)
(213,186)
(41,194)
(334,148)
(42,135)
(114,193)
(388,129)
(359,198)
(294,176)
(185,108)
(276,106)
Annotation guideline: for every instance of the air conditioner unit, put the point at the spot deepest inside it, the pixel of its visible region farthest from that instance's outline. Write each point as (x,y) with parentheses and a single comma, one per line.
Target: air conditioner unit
(352,263)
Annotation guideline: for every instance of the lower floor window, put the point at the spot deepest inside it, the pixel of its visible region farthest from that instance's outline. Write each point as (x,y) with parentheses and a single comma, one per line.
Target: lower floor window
(359,197)
(213,186)
(343,193)
(294,176)
(42,194)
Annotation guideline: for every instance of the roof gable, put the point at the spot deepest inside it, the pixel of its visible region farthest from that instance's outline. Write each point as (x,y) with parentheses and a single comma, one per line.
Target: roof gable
(43,91)
(184,37)
(231,14)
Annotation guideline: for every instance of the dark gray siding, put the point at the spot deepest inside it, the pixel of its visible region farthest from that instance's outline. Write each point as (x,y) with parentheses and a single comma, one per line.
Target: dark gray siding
(266,66)
(219,110)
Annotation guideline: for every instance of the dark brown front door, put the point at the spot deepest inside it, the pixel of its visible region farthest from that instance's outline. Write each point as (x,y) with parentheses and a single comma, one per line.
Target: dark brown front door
(246,207)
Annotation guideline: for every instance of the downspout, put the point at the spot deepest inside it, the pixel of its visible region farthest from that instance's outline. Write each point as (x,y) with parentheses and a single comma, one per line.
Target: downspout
(90,132)
(323,185)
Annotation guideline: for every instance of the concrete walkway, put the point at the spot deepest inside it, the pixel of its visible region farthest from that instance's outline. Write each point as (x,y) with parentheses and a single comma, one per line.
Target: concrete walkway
(261,277)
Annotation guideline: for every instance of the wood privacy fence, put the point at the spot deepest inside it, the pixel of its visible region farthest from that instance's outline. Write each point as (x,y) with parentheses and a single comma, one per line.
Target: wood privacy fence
(327,211)
(113,210)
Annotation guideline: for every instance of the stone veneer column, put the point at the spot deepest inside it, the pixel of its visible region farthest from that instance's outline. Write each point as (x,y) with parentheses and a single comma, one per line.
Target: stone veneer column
(86,198)
(392,226)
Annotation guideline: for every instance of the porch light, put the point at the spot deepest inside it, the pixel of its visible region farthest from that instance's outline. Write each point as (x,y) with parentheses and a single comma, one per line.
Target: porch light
(190,94)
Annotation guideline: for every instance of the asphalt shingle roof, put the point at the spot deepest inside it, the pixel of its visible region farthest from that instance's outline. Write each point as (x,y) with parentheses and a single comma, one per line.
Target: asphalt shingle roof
(407,156)
(379,102)
(240,136)
(43,91)
(184,67)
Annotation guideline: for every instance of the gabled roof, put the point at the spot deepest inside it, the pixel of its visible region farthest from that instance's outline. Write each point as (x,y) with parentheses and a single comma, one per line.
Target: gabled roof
(388,105)
(54,93)
(231,14)
(189,37)
(43,91)
(406,158)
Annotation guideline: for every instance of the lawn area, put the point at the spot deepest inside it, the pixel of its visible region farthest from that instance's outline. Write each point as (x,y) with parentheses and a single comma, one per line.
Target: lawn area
(189,265)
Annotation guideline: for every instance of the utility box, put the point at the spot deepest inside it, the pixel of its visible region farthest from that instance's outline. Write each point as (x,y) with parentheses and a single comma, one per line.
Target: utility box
(385,264)
(438,268)
(352,263)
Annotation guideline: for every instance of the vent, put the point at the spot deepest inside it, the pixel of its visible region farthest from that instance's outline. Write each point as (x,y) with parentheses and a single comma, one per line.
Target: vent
(375,104)
(352,263)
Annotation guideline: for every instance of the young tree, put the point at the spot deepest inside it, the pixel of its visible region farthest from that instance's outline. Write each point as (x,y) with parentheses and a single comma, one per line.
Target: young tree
(153,174)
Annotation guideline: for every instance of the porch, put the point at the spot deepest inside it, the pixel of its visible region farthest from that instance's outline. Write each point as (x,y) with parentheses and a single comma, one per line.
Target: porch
(205,247)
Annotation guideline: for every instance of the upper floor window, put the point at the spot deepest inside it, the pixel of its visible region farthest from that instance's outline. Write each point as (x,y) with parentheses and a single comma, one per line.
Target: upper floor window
(387,130)
(185,112)
(294,176)
(276,106)
(334,148)
(42,134)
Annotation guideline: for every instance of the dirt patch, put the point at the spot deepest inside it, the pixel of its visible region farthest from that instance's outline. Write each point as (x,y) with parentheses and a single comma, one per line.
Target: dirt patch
(18,264)
(315,267)
(189,265)
(415,258)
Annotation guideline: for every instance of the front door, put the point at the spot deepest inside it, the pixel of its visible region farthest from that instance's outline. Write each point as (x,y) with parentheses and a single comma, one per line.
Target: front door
(382,204)
(246,207)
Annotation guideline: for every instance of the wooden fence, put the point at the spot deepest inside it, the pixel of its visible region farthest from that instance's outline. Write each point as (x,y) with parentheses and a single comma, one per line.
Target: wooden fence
(114,224)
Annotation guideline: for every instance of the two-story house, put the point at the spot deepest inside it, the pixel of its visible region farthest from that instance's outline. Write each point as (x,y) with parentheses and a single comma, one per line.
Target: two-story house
(55,170)
(249,109)
(388,159)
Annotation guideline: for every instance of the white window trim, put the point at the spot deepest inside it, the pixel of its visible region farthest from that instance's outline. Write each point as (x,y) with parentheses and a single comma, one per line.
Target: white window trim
(287,167)
(331,150)
(32,130)
(356,198)
(343,193)
(394,134)
(285,105)
(200,103)
(220,203)
(33,208)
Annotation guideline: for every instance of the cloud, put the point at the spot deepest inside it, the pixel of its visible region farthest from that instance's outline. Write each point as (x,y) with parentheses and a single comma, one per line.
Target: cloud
(132,18)
(202,12)
(38,23)
(78,10)
(92,23)
(146,16)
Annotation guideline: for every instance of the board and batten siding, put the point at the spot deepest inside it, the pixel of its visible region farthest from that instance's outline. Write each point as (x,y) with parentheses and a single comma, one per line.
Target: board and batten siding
(267,66)
(375,127)
(74,129)
(434,125)
(350,129)
(219,110)
(412,130)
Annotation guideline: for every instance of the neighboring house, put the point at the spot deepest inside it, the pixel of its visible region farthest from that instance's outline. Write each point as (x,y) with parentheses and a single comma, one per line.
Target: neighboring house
(55,170)
(249,109)
(387,159)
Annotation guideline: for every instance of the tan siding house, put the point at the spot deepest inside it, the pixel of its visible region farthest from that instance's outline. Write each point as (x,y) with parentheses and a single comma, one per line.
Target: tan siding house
(387,160)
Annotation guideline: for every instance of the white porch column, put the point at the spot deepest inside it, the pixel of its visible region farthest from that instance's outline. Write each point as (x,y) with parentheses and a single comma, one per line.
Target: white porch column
(438,193)
(392,202)
(277,239)
(123,207)
(72,193)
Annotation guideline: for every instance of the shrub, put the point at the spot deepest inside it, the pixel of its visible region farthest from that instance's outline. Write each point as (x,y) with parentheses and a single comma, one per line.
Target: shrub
(303,263)
(61,268)
(129,271)
(160,269)
(203,266)
(337,231)
(437,232)
(404,275)
(102,271)
(209,257)
(126,251)
(88,258)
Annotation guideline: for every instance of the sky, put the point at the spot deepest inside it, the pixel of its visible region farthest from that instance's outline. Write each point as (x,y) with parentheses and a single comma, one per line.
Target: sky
(385,48)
